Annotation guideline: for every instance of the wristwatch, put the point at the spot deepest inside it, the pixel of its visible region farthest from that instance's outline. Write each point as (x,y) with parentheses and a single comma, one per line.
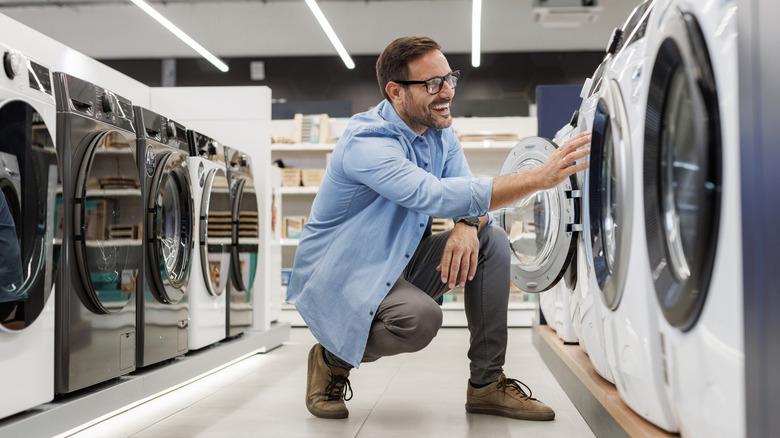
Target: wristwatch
(469,220)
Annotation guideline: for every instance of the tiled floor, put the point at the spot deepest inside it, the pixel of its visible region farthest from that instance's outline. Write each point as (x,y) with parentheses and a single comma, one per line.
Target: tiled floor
(417,395)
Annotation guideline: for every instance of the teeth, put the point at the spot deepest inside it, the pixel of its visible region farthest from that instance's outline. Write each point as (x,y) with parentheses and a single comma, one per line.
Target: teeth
(441,107)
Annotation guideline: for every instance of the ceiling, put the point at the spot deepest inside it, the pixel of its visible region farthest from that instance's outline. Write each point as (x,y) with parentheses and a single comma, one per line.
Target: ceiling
(113,29)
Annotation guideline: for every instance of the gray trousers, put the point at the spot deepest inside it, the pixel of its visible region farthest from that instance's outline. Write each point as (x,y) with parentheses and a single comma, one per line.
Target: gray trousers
(409,318)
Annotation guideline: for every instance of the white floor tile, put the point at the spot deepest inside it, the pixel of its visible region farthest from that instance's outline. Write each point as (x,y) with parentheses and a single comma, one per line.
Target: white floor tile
(419,394)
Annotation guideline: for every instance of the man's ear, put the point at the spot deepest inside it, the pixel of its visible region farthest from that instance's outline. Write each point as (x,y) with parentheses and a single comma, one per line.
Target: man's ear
(393,91)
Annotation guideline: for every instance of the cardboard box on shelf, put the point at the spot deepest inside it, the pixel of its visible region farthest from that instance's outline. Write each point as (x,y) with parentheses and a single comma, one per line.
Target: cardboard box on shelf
(312,177)
(292,226)
(291,177)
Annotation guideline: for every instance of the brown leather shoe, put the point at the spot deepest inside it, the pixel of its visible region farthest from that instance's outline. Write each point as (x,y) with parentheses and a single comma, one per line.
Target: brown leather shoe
(507,398)
(326,387)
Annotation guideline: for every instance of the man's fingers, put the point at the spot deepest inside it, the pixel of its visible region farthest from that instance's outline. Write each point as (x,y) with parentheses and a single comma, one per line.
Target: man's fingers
(454,268)
(445,264)
(576,142)
(576,155)
(571,170)
(465,267)
(473,266)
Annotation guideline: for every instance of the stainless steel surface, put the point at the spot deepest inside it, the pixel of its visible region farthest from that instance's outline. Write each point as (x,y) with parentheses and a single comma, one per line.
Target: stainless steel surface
(163,309)
(245,252)
(95,320)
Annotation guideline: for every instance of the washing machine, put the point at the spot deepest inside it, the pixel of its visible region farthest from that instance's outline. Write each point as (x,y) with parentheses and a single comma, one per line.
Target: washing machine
(543,229)
(214,232)
(691,192)
(99,207)
(168,234)
(29,179)
(245,241)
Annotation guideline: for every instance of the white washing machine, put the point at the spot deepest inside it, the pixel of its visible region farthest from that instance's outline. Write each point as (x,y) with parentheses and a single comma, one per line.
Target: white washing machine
(28,186)
(691,185)
(211,258)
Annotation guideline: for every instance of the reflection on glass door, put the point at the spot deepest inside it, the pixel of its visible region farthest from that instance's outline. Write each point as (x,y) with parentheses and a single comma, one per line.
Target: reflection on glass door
(216,232)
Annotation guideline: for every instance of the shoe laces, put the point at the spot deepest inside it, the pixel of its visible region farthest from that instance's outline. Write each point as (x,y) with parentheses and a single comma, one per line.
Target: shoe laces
(338,387)
(517,386)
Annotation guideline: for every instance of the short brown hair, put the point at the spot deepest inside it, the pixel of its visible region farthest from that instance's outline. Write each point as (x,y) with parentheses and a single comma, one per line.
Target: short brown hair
(393,63)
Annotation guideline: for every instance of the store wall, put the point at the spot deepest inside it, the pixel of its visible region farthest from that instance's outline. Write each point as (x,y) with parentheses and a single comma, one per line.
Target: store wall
(503,86)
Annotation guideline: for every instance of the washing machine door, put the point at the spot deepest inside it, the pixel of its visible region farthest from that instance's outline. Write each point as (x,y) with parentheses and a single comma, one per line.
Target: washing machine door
(682,171)
(216,231)
(108,207)
(608,203)
(28,184)
(170,228)
(542,227)
(246,240)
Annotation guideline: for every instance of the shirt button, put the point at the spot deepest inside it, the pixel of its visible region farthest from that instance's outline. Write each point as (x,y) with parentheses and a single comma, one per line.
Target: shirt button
(407,256)
(371,313)
(422,225)
(388,284)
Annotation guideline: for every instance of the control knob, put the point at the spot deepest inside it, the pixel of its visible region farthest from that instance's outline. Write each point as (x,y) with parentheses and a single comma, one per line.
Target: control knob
(12,64)
(107,103)
(170,129)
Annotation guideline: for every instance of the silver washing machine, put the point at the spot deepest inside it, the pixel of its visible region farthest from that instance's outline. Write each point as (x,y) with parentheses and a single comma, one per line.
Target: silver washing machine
(245,241)
(101,199)
(163,309)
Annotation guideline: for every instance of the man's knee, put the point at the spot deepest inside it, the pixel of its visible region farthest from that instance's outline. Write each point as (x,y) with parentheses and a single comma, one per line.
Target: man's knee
(423,324)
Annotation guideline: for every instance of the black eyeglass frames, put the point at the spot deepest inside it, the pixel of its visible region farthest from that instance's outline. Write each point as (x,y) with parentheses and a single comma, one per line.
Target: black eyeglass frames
(435,84)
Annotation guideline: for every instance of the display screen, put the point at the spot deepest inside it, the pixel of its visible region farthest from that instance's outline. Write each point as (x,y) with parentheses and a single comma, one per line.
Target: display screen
(40,79)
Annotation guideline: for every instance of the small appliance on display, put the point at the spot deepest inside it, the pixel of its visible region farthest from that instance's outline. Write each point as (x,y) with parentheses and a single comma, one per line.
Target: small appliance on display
(245,242)
(168,233)
(543,229)
(98,208)
(692,213)
(29,181)
(214,231)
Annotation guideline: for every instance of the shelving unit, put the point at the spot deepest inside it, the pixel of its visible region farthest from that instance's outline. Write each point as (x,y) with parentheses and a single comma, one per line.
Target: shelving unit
(485,159)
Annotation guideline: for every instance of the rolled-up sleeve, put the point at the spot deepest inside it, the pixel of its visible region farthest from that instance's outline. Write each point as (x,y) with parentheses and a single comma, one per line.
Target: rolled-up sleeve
(455,165)
(380,163)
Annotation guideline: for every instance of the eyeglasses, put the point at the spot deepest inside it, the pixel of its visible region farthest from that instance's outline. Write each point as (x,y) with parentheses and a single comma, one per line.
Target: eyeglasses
(434,85)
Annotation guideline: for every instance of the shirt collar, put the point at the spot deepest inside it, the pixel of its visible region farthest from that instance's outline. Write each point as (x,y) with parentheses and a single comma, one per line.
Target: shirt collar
(387,112)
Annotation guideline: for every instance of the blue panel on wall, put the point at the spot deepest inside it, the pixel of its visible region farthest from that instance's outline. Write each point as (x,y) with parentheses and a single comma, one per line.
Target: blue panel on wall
(554,107)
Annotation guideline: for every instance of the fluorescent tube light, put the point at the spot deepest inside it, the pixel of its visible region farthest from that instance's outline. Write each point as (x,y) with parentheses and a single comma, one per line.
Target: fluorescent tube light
(181,35)
(476,30)
(315,9)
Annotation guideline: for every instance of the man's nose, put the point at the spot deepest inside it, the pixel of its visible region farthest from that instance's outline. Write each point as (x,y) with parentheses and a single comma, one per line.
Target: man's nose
(447,90)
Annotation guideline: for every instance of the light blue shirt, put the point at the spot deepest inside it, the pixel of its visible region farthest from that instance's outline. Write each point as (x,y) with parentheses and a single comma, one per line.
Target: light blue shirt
(383,184)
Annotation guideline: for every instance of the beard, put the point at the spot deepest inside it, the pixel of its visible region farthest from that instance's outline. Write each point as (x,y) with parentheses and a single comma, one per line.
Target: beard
(425,115)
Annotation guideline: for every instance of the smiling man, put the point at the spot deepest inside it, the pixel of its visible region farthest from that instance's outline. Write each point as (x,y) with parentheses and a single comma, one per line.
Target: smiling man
(367,270)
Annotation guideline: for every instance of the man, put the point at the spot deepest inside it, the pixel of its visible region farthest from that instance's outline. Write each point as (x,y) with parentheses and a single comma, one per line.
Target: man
(367,270)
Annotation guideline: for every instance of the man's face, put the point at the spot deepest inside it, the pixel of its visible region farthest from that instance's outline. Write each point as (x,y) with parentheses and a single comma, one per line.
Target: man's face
(423,110)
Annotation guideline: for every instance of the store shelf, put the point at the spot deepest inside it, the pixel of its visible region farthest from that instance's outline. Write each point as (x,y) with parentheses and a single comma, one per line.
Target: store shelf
(290,242)
(114,243)
(113,193)
(489,144)
(302,147)
(299,190)
(72,413)
(595,398)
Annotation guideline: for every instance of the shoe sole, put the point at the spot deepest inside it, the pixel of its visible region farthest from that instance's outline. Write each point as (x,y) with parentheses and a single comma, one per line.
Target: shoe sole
(315,412)
(501,412)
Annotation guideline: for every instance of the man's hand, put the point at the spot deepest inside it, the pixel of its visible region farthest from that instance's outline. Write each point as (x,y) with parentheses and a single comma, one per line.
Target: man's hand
(460,256)
(562,162)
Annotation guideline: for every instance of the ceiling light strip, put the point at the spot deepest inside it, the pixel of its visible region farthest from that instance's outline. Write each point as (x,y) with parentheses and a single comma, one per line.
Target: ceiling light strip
(476,32)
(334,39)
(181,35)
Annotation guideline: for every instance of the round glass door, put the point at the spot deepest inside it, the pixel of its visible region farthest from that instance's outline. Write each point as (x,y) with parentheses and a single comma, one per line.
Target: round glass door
(171,227)
(109,213)
(540,226)
(246,238)
(28,184)
(608,201)
(682,173)
(216,232)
